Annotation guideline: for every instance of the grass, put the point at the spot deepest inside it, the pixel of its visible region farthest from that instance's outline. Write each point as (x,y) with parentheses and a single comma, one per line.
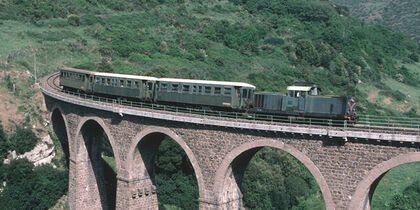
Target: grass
(110,161)
(395,181)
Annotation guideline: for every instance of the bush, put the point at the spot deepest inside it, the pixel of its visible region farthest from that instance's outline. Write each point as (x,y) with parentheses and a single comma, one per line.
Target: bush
(73,20)
(4,144)
(306,51)
(23,140)
(30,187)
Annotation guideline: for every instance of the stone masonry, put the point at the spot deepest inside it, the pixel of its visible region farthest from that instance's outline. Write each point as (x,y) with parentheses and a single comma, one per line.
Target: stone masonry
(345,171)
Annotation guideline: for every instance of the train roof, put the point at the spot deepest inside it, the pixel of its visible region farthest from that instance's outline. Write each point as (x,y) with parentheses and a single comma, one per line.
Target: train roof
(78,70)
(104,74)
(125,76)
(209,82)
(299,88)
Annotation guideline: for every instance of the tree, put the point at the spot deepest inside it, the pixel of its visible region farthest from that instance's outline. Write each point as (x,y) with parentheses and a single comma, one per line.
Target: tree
(4,144)
(306,51)
(23,139)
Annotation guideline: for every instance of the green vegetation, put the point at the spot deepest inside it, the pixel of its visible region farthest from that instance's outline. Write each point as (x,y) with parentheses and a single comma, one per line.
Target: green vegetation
(4,144)
(29,187)
(23,140)
(174,177)
(398,189)
(401,15)
(275,180)
(270,44)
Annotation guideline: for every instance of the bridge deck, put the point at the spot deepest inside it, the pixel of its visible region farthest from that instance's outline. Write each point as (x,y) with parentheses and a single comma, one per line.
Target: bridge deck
(49,86)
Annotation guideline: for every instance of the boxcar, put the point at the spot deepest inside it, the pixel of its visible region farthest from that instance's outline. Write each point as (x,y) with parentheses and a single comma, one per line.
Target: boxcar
(218,94)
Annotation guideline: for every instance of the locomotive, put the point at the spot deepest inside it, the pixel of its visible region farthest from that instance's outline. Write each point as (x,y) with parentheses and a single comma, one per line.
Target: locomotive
(302,99)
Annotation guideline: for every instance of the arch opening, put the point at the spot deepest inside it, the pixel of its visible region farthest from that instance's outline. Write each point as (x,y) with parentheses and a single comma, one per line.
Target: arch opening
(269,178)
(164,172)
(60,131)
(96,151)
(393,184)
(267,174)
(398,188)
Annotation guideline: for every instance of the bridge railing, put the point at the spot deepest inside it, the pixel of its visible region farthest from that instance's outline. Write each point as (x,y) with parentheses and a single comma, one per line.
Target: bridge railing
(366,123)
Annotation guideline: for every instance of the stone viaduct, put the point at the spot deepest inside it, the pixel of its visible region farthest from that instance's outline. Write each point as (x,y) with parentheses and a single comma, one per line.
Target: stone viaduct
(347,171)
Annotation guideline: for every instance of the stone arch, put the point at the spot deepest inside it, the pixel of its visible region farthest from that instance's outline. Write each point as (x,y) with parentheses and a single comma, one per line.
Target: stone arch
(252,147)
(133,154)
(364,190)
(60,127)
(88,172)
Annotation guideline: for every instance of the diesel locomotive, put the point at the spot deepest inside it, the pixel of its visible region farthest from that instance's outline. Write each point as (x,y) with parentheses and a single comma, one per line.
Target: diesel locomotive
(302,99)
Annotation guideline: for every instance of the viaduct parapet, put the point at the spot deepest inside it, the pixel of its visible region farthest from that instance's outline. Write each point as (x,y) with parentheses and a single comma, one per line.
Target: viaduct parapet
(347,166)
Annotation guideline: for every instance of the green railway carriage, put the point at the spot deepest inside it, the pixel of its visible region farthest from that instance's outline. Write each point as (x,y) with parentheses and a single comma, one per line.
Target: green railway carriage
(125,86)
(76,79)
(218,94)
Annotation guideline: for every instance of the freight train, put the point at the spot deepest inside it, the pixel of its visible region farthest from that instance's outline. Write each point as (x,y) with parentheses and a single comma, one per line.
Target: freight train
(301,100)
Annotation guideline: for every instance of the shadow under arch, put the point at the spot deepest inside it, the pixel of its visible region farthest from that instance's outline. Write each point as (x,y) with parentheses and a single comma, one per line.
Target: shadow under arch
(364,190)
(252,147)
(134,154)
(101,179)
(59,127)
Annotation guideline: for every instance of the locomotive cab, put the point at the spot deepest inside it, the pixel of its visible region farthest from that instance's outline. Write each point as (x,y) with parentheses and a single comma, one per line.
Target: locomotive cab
(302,90)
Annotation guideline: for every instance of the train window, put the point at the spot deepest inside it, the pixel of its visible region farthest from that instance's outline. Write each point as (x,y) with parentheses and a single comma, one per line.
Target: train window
(129,83)
(207,89)
(108,81)
(122,83)
(185,88)
(136,84)
(174,87)
(245,93)
(164,87)
(314,91)
(150,85)
(217,90)
(114,82)
(228,91)
(200,89)
(195,88)
(97,80)
(103,81)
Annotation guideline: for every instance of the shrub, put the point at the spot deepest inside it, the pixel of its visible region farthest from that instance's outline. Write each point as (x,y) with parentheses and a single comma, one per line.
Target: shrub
(23,140)
(306,51)
(73,20)
(4,144)
(30,187)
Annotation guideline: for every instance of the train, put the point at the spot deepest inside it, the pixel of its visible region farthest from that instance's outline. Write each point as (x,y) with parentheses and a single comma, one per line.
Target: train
(302,99)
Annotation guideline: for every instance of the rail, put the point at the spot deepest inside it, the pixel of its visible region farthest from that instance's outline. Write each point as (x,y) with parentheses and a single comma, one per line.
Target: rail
(367,123)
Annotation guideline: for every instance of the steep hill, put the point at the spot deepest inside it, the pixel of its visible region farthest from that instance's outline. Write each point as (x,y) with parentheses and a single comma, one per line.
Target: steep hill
(401,15)
(268,43)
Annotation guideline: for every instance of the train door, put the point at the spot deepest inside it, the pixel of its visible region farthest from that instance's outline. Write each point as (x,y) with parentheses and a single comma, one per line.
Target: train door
(89,83)
(148,87)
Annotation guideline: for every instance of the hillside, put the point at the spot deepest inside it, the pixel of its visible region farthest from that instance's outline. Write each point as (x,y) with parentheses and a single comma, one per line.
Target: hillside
(401,15)
(270,44)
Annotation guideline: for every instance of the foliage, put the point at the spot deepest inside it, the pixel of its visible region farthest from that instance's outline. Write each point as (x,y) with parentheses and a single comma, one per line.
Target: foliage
(23,139)
(175,178)
(30,187)
(4,144)
(275,180)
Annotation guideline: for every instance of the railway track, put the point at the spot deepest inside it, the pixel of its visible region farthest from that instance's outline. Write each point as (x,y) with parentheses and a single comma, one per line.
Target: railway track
(365,126)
